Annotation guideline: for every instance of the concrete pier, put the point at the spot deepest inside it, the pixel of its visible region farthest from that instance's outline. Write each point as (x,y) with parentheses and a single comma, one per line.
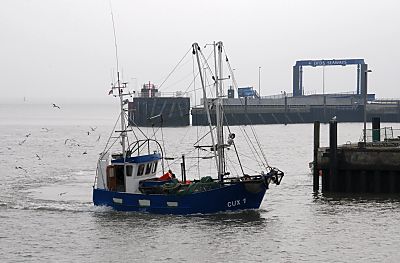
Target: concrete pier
(357,168)
(159,111)
(303,109)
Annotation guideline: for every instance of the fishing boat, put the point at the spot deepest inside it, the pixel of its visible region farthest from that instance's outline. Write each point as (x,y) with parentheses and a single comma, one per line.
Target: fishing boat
(136,177)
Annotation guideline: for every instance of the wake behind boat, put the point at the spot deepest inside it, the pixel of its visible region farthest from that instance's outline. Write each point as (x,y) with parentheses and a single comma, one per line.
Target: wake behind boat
(136,178)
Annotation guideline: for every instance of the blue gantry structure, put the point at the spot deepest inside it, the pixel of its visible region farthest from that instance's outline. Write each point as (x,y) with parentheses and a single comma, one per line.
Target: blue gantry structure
(362,69)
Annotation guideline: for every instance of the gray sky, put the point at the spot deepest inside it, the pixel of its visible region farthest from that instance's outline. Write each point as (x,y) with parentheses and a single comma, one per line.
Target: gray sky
(63,51)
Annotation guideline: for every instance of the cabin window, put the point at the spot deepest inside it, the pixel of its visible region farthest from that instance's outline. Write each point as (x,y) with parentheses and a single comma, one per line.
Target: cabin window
(129,170)
(154,167)
(140,170)
(148,168)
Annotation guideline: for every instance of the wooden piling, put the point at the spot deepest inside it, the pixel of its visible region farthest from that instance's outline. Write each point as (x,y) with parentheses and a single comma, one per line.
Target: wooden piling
(333,156)
(362,182)
(348,181)
(315,162)
(325,180)
(392,182)
(377,181)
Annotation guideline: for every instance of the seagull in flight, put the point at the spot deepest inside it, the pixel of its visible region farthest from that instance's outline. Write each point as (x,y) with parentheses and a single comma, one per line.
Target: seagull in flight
(63,193)
(93,128)
(22,142)
(27,135)
(56,106)
(73,142)
(38,157)
(19,167)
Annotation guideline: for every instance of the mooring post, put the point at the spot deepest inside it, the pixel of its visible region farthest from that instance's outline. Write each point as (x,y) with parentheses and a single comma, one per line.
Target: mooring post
(333,156)
(286,105)
(376,129)
(315,161)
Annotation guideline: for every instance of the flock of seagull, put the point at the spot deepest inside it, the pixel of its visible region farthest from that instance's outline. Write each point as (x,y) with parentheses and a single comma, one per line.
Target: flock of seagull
(69,142)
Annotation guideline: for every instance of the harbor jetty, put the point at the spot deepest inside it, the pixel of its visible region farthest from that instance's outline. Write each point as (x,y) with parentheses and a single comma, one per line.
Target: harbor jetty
(246,106)
(150,107)
(288,109)
(370,166)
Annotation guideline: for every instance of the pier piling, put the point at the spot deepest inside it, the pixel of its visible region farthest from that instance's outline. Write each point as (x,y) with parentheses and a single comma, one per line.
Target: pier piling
(315,164)
(333,155)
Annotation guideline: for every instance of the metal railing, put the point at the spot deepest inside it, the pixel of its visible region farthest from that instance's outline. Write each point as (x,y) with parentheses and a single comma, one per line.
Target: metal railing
(385,134)
(387,101)
(161,94)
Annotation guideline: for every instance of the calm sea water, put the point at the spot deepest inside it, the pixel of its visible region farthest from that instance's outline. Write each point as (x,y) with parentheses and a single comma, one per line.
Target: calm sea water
(46,213)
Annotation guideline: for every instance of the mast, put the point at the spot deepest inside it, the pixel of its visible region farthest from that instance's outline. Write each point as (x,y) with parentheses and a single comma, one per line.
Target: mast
(196,49)
(218,147)
(219,113)
(123,124)
(120,93)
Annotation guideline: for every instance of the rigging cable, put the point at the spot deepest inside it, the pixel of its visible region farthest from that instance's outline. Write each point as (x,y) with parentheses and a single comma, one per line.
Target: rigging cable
(131,120)
(234,145)
(115,36)
(209,56)
(247,137)
(105,148)
(197,127)
(165,150)
(254,171)
(206,104)
(162,137)
(159,87)
(233,166)
(109,138)
(208,67)
(251,124)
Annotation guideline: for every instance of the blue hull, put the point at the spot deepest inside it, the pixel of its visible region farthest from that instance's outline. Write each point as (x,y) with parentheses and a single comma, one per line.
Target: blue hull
(237,196)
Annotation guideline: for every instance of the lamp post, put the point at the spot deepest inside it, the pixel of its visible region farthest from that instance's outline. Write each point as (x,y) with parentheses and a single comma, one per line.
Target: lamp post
(365,106)
(259,82)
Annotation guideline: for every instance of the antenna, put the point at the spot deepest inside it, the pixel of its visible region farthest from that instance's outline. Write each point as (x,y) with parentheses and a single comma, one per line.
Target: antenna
(115,36)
